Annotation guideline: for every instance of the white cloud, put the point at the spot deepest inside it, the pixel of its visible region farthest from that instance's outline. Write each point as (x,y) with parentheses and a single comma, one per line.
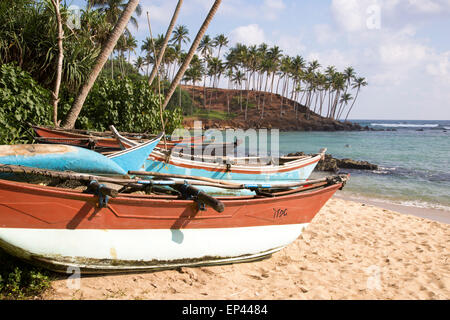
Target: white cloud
(274,4)
(160,12)
(272,8)
(324,34)
(428,6)
(440,67)
(333,57)
(349,14)
(291,45)
(268,10)
(409,54)
(354,15)
(249,35)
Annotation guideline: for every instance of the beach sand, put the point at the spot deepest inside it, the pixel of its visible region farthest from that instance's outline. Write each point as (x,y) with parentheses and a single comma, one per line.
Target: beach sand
(351,250)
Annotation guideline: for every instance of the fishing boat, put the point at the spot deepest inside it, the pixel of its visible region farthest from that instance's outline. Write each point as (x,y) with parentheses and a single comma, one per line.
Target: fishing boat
(59,157)
(135,156)
(71,158)
(244,170)
(99,141)
(229,168)
(58,228)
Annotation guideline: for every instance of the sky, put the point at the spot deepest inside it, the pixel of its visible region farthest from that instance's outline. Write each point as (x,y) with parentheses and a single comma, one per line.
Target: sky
(402,47)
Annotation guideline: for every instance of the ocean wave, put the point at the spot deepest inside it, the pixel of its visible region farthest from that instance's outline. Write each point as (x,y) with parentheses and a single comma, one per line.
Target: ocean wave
(404,125)
(447,128)
(406,174)
(384,170)
(400,202)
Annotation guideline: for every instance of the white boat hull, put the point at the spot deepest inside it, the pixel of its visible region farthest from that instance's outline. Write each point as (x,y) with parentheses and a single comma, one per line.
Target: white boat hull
(133,250)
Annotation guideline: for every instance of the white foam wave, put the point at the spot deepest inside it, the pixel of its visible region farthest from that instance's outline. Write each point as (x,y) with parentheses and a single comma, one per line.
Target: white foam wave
(405,203)
(404,125)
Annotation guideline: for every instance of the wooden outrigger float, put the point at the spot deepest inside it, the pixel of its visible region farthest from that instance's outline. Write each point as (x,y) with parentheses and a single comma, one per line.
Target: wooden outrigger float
(109,231)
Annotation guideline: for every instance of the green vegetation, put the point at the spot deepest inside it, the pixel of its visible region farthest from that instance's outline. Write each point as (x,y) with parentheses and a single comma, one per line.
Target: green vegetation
(28,38)
(213,115)
(22,101)
(236,102)
(19,280)
(125,104)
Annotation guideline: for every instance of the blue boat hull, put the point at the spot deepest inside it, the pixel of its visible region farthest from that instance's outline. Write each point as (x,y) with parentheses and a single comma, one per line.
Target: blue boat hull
(60,158)
(290,176)
(134,159)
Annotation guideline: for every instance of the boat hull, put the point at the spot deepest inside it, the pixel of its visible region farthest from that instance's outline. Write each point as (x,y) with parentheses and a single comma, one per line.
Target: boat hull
(60,158)
(94,251)
(59,136)
(297,171)
(62,228)
(134,158)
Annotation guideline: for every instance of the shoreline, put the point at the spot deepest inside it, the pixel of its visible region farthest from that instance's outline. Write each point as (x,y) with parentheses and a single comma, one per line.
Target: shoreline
(437,215)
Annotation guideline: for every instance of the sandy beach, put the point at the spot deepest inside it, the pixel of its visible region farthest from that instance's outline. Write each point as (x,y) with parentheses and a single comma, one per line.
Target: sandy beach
(351,250)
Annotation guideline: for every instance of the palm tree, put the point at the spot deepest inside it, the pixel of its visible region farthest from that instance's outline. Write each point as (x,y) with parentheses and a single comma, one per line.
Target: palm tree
(285,68)
(147,47)
(238,79)
(59,67)
(113,9)
(322,87)
(139,64)
(274,55)
(130,45)
(346,97)
(298,65)
(205,48)
(180,35)
(106,51)
(220,41)
(194,75)
(166,41)
(349,75)
(192,51)
(330,75)
(338,85)
(359,82)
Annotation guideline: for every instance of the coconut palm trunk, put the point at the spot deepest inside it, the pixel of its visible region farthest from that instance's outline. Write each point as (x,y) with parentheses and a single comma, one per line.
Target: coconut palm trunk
(166,41)
(353,103)
(191,52)
(107,49)
(55,93)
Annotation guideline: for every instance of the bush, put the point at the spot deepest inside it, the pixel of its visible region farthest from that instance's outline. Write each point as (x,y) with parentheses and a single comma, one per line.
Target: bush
(19,280)
(130,106)
(22,101)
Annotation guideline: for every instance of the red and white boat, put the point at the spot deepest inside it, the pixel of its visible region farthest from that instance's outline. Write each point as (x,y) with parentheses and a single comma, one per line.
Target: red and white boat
(60,228)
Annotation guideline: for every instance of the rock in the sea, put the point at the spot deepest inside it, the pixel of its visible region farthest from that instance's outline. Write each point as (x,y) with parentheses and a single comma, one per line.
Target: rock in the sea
(353,164)
(328,164)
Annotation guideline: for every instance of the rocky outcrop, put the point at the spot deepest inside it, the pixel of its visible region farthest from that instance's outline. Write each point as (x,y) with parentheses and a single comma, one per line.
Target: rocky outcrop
(223,111)
(330,164)
(353,164)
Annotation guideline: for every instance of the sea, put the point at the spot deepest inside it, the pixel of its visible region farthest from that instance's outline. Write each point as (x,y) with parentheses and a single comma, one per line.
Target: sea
(413,159)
